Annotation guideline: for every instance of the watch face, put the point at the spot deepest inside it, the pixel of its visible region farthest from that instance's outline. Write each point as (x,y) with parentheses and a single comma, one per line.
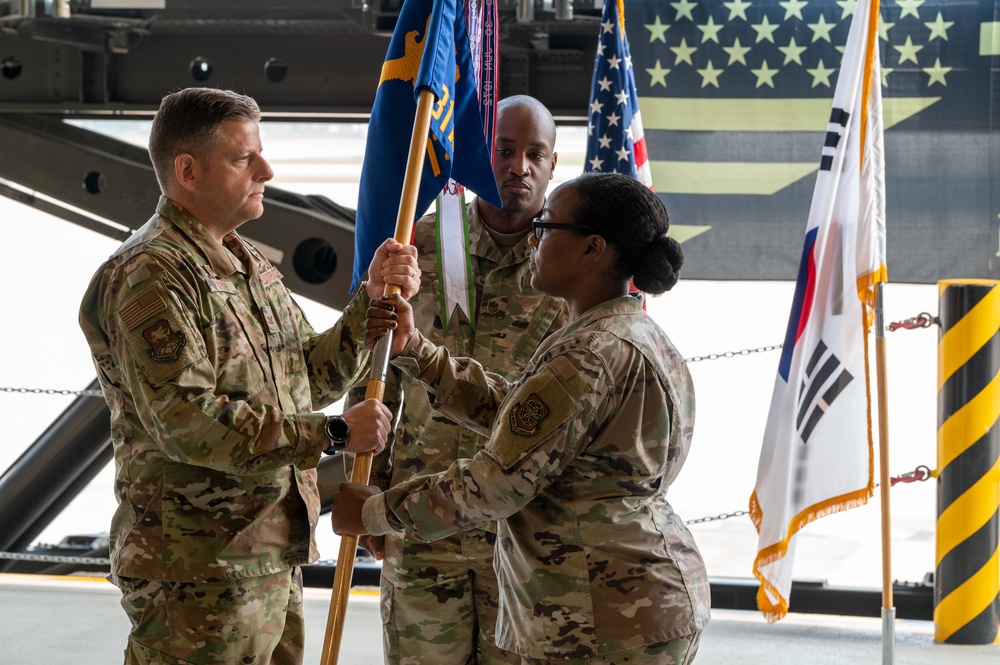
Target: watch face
(337,429)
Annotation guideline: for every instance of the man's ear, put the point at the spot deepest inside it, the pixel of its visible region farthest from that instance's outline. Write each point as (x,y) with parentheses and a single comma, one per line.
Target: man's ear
(186,171)
(552,171)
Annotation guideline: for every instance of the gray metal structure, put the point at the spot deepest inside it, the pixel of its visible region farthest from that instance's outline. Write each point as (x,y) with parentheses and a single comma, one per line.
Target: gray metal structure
(317,59)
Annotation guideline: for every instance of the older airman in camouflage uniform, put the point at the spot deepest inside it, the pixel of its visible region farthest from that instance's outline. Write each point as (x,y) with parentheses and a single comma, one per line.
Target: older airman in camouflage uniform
(439,599)
(213,377)
(593,564)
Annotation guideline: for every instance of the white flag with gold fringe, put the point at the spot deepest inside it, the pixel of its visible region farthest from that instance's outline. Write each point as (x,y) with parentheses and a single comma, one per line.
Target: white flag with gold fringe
(817,453)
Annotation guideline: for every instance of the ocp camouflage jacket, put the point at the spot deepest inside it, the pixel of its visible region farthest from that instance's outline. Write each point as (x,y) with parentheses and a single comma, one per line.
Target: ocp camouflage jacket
(213,376)
(590,556)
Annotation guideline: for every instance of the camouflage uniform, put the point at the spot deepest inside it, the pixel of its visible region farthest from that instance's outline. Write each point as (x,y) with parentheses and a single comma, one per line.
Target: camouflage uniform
(591,558)
(439,599)
(216,622)
(212,375)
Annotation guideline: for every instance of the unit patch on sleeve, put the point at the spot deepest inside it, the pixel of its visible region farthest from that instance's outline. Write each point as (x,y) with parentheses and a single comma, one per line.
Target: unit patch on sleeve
(165,344)
(526,417)
(535,414)
(160,334)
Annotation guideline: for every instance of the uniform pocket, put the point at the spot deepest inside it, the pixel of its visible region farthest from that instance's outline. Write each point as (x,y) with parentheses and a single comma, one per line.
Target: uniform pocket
(390,638)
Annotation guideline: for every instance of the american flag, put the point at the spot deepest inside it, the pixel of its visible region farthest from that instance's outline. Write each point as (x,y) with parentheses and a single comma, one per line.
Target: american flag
(615,142)
(735,95)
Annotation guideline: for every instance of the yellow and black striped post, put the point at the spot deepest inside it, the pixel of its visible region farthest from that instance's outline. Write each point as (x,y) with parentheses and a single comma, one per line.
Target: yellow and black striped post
(967,570)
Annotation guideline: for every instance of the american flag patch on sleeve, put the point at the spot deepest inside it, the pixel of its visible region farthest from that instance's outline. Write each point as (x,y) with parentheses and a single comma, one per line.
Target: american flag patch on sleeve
(142,308)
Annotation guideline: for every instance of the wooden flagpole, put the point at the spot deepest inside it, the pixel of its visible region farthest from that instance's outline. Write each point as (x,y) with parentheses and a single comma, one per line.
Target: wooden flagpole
(885,484)
(376,381)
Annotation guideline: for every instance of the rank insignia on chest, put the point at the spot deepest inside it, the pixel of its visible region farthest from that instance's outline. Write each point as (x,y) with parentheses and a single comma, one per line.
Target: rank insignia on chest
(165,344)
(526,417)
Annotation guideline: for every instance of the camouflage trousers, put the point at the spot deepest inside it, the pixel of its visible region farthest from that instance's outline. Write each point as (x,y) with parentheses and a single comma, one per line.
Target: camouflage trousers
(445,612)
(255,621)
(680,651)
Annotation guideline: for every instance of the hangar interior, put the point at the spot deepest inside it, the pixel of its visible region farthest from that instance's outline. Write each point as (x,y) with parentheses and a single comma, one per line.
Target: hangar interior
(302,60)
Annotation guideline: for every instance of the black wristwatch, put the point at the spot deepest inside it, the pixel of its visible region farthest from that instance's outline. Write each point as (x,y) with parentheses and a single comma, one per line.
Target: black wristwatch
(338,432)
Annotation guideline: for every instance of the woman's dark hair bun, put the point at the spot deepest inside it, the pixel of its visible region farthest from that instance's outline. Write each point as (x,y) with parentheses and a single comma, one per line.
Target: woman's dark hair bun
(659,267)
(633,219)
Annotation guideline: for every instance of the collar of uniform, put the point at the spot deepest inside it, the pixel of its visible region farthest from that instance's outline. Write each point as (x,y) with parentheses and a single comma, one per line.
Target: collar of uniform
(217,255)
(622,306)
(482,245)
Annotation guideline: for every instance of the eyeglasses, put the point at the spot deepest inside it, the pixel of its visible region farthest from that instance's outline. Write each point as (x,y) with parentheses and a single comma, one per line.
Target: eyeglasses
(538,227)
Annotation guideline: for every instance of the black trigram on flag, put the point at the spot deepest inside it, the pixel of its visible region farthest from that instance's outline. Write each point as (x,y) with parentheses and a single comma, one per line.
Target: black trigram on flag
(835,131)
(824,372)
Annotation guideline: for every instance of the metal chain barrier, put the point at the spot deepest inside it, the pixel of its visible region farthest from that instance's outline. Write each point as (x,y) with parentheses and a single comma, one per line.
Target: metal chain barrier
(54,558)
(97,393)
(52,391)
(919,474)
(733,354)
(723,516)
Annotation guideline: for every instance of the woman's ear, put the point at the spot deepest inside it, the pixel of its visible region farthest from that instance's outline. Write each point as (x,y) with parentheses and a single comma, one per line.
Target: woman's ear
(597,248)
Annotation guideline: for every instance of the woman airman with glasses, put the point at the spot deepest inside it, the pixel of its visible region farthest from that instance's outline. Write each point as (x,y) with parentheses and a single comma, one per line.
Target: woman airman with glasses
(594,566)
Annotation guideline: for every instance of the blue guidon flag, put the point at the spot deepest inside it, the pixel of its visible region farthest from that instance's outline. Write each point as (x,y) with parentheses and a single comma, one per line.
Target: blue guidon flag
(429,49)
